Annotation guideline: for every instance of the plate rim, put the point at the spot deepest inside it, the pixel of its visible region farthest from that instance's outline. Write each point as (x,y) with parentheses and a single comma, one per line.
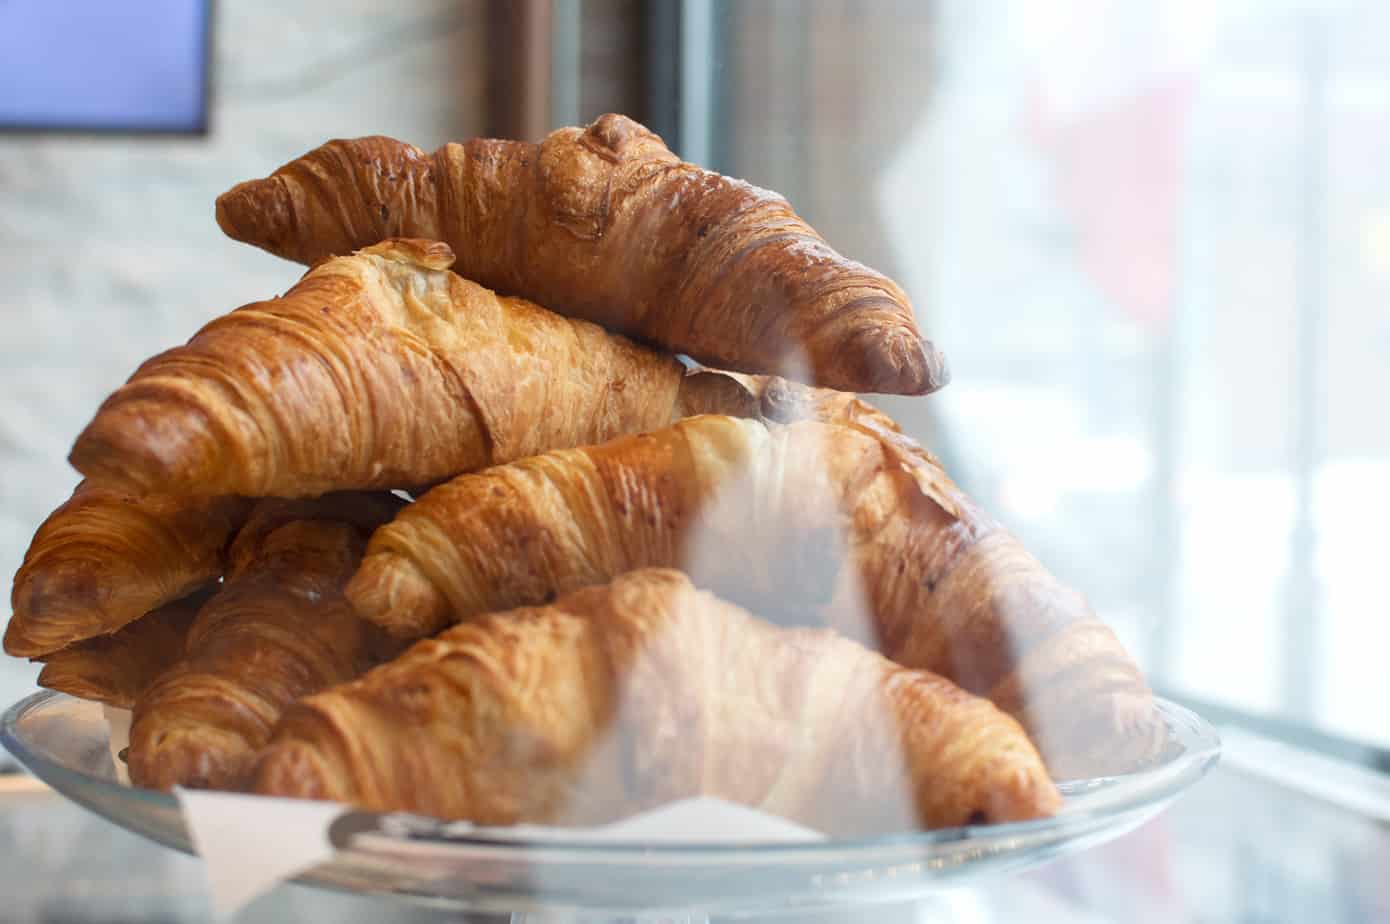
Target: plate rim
(1155,787)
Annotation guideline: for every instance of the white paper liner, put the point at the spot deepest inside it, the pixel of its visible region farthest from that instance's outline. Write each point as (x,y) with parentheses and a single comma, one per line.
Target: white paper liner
(251,843)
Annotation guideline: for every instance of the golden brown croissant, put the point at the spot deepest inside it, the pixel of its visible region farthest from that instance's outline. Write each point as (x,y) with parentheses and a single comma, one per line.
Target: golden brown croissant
(105,558)
(380,370)
(860,529)
(606,224)
(278,630)
(622,697)
(115,669)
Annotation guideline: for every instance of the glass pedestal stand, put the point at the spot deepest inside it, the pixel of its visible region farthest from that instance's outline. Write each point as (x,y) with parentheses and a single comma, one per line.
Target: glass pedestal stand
(547,917)
(901,877)
(946,907)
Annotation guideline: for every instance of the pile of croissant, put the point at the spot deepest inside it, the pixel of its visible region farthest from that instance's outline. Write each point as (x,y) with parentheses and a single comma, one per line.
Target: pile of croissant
(406,539)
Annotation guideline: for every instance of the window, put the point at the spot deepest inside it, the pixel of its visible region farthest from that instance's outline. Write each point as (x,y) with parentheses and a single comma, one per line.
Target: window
(1154,241)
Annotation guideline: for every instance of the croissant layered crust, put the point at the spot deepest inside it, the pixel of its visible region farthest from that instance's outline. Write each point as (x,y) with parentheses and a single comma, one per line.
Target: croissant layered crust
(115,669)
(625,696)
(841,525)
(605,223)
(380,370)
(278,630)
(107,557)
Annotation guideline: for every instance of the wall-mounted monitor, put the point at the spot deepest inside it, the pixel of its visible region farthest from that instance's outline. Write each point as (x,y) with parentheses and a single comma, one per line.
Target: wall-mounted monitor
(104,65)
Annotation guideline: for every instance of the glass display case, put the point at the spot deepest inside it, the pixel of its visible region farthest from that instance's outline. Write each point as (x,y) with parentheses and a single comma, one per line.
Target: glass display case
(1151,240)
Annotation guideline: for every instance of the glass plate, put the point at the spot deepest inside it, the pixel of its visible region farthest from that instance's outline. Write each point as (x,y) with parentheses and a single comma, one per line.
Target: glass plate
(66,743)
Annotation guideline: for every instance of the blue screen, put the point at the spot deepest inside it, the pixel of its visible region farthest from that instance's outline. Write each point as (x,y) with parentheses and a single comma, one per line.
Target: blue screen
(108,65)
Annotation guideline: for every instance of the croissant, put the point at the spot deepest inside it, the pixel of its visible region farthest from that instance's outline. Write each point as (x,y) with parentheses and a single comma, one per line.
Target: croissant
(115,669)
(380,370)
(279,629)
(604,223)
(253,548)
(859,529)
(105,558)
(621,697)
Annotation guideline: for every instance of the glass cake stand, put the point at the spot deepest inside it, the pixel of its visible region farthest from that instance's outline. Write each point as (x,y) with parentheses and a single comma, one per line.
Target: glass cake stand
(66,743)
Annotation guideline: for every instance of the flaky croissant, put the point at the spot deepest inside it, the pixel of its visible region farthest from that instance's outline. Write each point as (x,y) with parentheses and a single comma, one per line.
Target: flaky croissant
(279,629)
(106,557)
(605,223)
(621,697)
(380,370)
(841,524)
(115,669)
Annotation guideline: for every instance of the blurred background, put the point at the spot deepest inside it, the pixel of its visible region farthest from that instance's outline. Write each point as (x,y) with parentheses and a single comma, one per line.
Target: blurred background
(1153,239)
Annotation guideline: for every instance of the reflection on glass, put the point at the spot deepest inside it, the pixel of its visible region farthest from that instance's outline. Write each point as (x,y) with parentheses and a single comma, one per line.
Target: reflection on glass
(1151,239)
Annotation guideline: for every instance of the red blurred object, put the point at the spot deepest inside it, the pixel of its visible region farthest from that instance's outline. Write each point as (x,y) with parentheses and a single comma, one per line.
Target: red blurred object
(1118,172)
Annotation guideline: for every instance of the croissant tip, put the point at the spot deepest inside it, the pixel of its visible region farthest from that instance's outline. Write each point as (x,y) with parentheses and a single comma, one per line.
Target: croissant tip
(614,131)
(142,442)
(1024,799)
(17,644)
(1120,732)
(53,606)
(259,212)
(937,373)
(230,208)
(918,370)
(181,757)
(29,645)
(390,592)
(96,458)
(83,684)
(900,362)
(432,255)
